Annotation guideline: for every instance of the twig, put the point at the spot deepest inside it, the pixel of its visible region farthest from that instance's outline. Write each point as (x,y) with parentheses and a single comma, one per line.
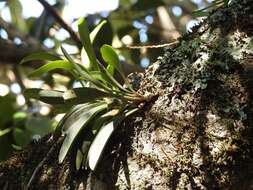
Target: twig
(20,82)
(59,19)
(150,46)
(40,165)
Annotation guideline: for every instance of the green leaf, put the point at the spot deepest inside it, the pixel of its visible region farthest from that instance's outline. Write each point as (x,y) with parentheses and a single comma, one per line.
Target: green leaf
(76,124)
(59,64)
(40,56)
(21,137)
(111,58)
(95,31)
(110,69)
(46,96)
(75,113)
(112,81)
(84,94)
(5,131)
(85,38)
(82,71)
(98,145)
(16,15)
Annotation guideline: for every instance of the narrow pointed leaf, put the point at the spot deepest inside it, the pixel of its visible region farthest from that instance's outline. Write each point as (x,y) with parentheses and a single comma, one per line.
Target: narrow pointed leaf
(40,56)
(82,71)
(85,38)
(95,31)
(74,114)
(84,94)
(98,145)
(75,128)
(46,96)
(59,64)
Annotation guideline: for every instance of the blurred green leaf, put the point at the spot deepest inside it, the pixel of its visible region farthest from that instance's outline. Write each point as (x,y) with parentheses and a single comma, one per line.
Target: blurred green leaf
(40,56)
(21,137)
(59,64)
(5,131)
(39,125)
(16,14)
(200,14)
(5,147)
(7,103)
(142,5)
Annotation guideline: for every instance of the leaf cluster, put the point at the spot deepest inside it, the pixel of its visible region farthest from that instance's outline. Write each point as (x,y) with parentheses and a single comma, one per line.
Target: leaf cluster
(97,108)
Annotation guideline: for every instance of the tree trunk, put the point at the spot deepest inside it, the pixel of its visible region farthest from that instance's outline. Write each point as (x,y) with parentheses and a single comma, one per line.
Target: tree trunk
(196,135)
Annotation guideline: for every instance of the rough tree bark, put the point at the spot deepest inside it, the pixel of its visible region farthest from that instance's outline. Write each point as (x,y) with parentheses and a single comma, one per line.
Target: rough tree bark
(196,135)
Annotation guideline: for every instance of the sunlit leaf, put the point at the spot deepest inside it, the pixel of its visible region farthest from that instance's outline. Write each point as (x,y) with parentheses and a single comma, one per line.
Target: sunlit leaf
(95,31)
(98,145)
(59,64)
(85,38)
(110,69)
(40,56)
(76,125)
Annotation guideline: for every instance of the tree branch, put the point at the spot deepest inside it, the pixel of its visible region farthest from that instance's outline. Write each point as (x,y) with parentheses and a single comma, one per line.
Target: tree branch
(59,19)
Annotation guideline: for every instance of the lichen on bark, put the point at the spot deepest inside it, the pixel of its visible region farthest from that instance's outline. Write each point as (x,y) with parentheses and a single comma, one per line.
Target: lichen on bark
(197,134)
